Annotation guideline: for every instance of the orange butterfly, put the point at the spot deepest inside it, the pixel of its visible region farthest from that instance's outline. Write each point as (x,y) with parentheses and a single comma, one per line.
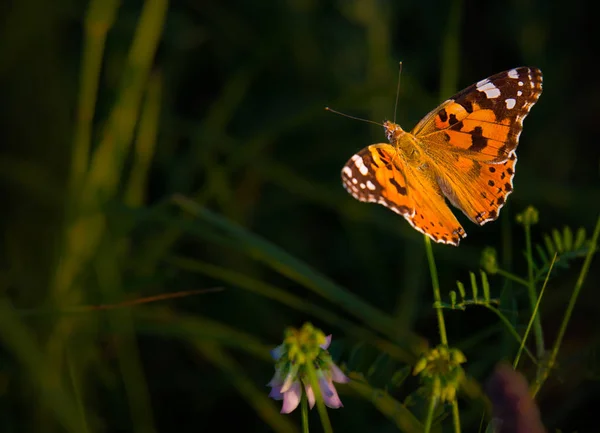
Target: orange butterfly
(463,150)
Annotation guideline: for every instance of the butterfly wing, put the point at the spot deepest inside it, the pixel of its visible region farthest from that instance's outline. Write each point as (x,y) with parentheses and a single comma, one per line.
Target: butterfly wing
(484,121)
(472,137)
(377,174)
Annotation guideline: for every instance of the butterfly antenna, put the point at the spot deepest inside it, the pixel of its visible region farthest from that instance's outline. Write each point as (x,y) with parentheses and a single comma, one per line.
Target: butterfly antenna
(397,91)
(352,117)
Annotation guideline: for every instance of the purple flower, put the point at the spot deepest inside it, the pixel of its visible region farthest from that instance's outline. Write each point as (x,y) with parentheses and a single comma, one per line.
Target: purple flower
(307,346)
(514,410)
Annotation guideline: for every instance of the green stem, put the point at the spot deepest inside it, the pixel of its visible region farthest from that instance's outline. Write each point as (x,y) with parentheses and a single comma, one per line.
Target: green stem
(563,327)
(314,383)
(436,292)
(512,331)
(533,296)
(513,277)
(304,408)
(535,310)
(455,416)
(430,411)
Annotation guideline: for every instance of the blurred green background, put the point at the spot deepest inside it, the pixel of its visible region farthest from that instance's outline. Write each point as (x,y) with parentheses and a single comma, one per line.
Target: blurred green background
(110,109)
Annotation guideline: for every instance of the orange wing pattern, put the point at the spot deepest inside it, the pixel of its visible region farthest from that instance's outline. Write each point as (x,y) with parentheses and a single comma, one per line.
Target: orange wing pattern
(464,150)
(485,120)
(478,189)
(378,174)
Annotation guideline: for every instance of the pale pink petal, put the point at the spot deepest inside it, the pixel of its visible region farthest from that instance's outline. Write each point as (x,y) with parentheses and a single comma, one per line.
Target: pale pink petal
(275,393)
(337,375)
(276,380)
(326,386)
(288,382)
(310,394)
(291,398)
(277,352)
(332,399)
(325,345)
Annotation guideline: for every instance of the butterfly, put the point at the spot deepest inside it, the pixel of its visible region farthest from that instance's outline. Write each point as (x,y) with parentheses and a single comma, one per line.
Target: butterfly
(464,150)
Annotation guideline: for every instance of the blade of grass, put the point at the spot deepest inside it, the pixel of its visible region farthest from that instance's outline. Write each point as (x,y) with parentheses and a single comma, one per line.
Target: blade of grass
(387,405)
(296,270)
(120,320)
(98,21)
(533,314)
(234,373)
(21,343)
(255,286)
(145,142)
(532,292)
(109,157)
(451,51)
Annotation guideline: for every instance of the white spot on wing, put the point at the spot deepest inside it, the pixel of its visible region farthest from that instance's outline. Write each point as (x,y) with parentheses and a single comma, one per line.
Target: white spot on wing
(354,180)
(362,186)
(347,171)
(490,90)
(358,161)
(519,93)
(513,73)
(370,185)
(520,83)
(510,103)
(481,83)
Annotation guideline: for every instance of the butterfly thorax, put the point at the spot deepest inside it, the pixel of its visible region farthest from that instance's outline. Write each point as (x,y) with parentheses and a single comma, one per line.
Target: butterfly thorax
(405,142)
(393,131)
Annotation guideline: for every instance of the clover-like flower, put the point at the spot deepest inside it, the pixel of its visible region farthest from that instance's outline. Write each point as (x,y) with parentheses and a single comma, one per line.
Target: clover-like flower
(489,260)
(441,370)
(529,216)
(301,349)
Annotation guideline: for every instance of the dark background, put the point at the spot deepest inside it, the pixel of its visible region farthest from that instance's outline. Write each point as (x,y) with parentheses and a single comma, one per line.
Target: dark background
(242,131)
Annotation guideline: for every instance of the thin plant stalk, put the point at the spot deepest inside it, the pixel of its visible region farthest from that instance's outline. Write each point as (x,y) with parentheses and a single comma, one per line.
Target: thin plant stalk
(512,331)
(304,409)
(533,315)
(455,416)
(430,411)
(436,292)
(533,296)
(512,277)
(314,383)
(563,326)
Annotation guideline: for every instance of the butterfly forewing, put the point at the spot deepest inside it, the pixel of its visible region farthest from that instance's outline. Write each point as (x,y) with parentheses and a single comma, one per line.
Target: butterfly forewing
(484,120)
(475,153)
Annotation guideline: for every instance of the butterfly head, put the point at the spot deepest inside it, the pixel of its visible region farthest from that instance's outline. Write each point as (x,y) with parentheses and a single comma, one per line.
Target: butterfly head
(393,131)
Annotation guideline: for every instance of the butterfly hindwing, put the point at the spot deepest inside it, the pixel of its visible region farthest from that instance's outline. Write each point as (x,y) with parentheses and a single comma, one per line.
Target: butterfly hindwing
(477,188)
(375,175)
(378,174)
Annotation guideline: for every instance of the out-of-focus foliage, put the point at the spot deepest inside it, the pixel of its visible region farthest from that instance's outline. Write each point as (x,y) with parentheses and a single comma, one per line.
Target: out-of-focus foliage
(155,147)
